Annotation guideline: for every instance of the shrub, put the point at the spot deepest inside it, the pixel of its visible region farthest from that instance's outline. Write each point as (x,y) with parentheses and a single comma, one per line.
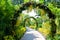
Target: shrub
(9,37)
(20,31)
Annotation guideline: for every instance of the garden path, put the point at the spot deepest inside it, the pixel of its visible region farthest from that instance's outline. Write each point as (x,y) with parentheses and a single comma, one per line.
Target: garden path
(32,34)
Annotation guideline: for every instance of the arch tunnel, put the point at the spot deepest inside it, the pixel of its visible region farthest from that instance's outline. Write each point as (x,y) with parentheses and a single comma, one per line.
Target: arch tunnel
(32,18)
(40,6)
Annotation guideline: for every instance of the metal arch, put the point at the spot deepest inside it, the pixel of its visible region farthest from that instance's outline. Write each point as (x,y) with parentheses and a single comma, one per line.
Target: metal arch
(34,19)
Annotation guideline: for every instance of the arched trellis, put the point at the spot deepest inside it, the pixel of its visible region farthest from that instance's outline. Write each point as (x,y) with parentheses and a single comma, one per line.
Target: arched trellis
(26,5)
(32,18)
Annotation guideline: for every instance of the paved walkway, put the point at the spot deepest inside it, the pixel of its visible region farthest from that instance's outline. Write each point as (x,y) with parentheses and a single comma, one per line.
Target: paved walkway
(32,34)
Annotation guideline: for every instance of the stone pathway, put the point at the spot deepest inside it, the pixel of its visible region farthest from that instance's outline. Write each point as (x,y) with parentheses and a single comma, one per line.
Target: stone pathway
(32,34)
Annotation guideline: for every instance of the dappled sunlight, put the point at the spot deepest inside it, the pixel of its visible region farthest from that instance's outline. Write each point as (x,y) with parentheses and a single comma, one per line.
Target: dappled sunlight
(32,13)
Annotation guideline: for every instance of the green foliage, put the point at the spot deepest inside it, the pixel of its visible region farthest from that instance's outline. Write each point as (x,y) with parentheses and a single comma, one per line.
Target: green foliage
(7,10)
(25,1)
(9,37)
(54,9)
(16,7)
(6,14)
(20,31)
(42,1)
(57,37)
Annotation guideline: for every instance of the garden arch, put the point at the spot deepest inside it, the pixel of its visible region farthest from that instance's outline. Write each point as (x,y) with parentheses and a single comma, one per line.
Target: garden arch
(26,5)
(32,18)
(41,6)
